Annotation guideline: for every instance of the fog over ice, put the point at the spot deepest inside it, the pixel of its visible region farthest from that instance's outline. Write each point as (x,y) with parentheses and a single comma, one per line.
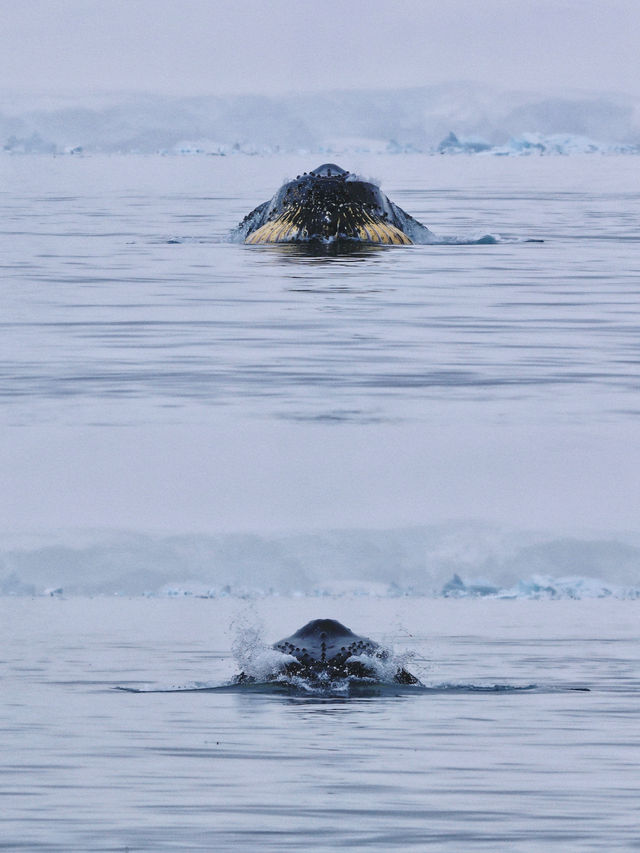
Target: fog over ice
(451,117)
(165,76)
(197,47)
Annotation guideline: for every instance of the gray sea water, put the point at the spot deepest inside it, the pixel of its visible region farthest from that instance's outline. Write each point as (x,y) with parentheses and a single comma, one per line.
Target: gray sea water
(500,753)
(184,413)
(121,296)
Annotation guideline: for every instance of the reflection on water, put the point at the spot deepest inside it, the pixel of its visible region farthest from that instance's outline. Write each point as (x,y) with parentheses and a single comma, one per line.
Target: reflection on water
(343,250)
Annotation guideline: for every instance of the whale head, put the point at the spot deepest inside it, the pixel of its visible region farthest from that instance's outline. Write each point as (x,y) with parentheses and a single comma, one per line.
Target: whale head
(325,651)
(326,205)
(326,641)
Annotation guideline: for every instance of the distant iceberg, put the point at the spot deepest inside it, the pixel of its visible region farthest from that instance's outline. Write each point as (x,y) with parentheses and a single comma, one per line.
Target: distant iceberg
(560,143)
(540,587)
(452,144)
(528,144)
(457,588)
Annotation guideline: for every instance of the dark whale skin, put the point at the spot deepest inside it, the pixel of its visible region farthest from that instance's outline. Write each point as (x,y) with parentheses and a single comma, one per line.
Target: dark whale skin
(326,206)
(323,649)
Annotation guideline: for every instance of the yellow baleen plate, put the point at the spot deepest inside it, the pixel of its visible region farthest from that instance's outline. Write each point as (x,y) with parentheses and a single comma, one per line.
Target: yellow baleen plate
(280,230)
(370,229)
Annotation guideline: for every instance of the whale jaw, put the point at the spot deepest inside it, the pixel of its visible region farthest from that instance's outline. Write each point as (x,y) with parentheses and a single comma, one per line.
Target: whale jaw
(306,223)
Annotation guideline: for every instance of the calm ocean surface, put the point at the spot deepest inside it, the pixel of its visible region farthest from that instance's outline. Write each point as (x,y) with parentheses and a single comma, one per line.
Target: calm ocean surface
(123,304)
(157,378)
(85,767)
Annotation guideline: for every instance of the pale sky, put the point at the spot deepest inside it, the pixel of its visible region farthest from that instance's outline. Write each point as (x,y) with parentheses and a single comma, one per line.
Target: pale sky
(185,47)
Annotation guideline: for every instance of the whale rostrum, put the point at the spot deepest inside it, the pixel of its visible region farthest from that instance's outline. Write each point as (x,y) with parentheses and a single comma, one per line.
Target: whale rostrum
(325,641)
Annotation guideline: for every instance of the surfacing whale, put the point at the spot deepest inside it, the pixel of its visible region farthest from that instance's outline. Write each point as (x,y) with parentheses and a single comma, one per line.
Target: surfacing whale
(324,651)
(327,206)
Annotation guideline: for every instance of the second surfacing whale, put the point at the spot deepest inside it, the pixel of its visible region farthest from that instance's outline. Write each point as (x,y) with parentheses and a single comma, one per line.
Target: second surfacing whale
(325,651)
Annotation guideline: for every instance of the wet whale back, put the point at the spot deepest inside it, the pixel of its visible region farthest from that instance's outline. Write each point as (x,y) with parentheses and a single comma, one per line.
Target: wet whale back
(325,641)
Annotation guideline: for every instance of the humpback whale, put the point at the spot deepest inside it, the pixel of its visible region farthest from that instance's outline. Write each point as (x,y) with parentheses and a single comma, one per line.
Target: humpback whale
(324,650)
(327,206)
